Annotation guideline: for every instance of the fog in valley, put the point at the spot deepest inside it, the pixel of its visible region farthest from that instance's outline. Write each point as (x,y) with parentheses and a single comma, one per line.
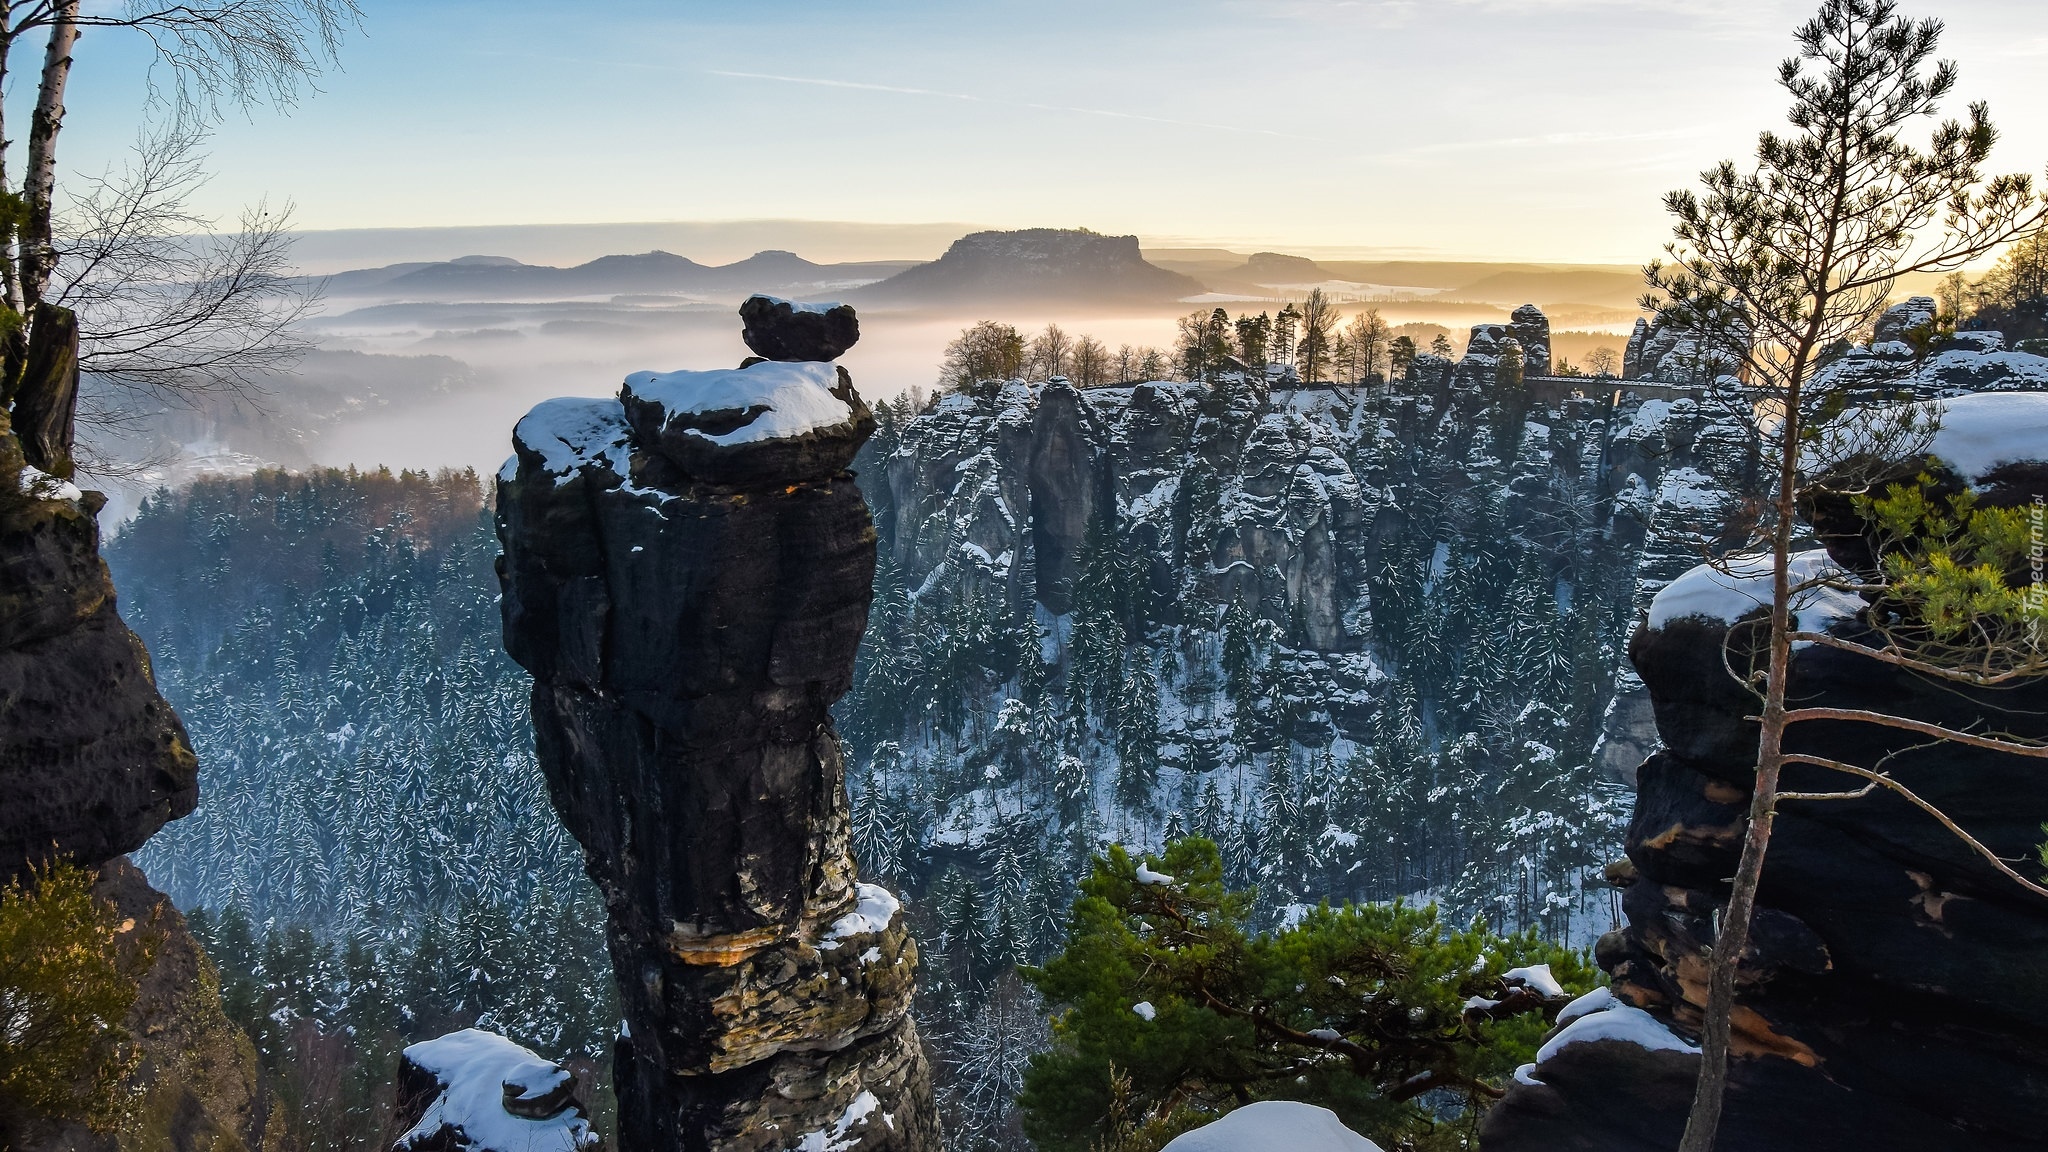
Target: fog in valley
(411,375)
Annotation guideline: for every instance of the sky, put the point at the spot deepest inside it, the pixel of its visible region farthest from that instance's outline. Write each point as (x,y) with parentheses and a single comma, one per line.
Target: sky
(1458,129)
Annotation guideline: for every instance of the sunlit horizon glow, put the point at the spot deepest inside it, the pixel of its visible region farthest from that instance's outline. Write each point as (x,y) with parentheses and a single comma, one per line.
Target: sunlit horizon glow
(1539,130)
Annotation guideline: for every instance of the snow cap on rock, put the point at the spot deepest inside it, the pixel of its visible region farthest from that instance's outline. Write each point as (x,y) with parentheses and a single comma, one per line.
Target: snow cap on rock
(1274,1126)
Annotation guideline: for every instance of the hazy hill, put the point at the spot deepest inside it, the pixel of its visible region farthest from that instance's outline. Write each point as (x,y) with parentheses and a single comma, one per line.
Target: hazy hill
(502,278)
(1035,264)
(1618,289)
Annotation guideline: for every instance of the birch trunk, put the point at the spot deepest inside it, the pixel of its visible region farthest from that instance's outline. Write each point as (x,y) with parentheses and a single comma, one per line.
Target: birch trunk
(10,273)
(39,182)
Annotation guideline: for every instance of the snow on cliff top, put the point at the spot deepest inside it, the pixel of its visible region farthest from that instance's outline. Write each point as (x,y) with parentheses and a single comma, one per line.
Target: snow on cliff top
(477,1066)
(1745,587)
(1274,1126)
(569,432)
(786,399)
(1616,1021)
(1979,432)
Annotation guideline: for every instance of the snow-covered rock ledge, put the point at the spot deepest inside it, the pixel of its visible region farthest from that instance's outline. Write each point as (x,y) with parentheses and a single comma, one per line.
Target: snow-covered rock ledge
(1273,1126)
(770,420)
(475,1091)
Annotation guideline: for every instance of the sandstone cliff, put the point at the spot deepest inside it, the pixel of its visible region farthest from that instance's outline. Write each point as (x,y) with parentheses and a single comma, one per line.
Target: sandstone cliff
(687,575)
(92,762)
(1890,996)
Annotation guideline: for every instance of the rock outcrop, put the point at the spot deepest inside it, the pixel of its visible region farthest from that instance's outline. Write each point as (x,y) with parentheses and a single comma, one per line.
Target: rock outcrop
(1668,352)
(1291,493)
(1890,998)
(1067,264)
(687,575)
(92,762)
(475,1091)
(1909,355)
(1531,329)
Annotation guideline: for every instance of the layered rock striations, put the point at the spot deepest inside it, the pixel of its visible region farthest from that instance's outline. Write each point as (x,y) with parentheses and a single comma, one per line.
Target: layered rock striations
(687,575)
(1891,997)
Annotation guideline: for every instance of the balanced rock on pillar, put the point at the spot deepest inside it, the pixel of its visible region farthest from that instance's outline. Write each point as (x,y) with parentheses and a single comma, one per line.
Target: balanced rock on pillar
(687,575)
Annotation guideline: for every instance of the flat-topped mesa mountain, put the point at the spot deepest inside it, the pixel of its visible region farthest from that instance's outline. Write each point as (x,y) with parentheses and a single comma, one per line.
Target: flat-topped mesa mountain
(1035,264)
(687,574)
(1890,998)
(657,273)
(92,762)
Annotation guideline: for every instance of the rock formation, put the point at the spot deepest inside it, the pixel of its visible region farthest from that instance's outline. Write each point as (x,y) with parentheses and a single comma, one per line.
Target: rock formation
(1909,355)
(1661,350)
(475,1091)
(1292,497)
(1034,264)
(92,762)
(687,574)
(1531,329)
(1890,998)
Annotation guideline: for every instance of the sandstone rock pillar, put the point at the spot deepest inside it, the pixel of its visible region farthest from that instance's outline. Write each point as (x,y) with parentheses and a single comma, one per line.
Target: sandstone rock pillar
(687,574)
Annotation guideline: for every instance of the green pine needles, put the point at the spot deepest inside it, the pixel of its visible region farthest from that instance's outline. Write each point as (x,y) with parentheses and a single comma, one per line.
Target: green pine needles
(69,968)
(1170,1010)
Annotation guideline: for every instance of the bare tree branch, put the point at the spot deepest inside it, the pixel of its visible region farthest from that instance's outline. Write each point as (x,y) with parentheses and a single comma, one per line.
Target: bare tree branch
(1879,779)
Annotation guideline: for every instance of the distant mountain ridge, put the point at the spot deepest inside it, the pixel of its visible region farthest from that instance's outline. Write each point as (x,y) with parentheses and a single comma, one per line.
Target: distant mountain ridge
(502,278)
(1031,265)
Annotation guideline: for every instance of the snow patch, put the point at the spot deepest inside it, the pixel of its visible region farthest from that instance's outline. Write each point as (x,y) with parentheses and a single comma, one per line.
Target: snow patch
(42,486)
(779,399)
(1148,876)
(476,1067)
(817,306)
(571,431)
(1598,1000)
(837,1140)
(1538,979)
(1977,433)
(1617,1021)
(1745,587)
(1274,1126)
(875,908)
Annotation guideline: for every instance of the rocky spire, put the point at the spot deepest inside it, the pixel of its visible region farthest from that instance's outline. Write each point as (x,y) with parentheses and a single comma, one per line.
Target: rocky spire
(687,574)
(1531,329)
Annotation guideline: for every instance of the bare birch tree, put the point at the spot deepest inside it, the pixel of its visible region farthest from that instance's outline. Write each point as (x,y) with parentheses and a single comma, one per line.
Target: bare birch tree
(199,321)
(1793,258)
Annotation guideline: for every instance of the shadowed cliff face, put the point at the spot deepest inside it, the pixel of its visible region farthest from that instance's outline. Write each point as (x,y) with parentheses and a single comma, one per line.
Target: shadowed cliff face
(687,574)
(1891,996)
(92,760)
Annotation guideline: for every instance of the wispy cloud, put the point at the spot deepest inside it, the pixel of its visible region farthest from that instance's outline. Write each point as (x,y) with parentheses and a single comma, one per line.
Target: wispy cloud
(1033,105)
